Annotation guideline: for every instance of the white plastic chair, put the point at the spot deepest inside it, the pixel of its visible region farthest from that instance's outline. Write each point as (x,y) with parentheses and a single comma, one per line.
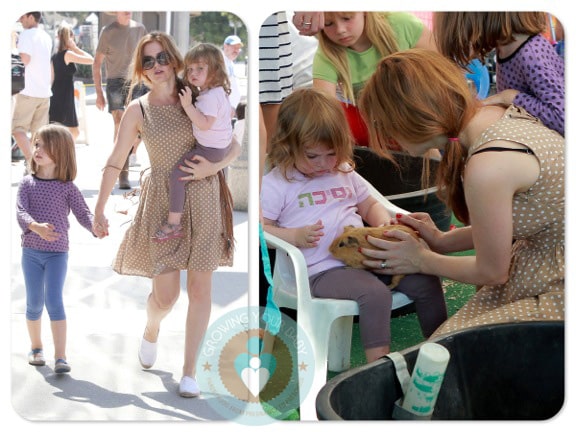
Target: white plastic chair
(327,323)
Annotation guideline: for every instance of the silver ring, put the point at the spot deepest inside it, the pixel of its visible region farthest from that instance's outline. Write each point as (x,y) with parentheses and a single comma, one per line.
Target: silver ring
(192,175)
(383,264)
(306,24)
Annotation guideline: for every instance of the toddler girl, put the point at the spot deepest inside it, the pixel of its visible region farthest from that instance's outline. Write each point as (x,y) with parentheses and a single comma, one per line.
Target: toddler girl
(205,100)
(312,193)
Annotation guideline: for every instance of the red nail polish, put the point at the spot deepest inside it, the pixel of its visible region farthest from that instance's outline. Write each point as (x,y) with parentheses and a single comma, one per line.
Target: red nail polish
(398,215)
(360,250)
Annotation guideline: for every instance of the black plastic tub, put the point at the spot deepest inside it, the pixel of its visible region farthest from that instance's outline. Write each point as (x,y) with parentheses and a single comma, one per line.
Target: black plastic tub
(402,184)
(496,372)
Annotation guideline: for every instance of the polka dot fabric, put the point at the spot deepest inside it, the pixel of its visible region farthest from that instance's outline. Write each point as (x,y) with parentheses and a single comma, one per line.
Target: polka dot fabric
(537,72)
(535,289)
(167,135)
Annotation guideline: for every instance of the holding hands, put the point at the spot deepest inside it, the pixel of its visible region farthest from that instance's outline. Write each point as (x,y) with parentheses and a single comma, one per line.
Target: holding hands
(100,226)
(404,256)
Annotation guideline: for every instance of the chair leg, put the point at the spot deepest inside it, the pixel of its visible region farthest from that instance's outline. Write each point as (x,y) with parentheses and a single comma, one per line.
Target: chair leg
(318,336)
(339,344)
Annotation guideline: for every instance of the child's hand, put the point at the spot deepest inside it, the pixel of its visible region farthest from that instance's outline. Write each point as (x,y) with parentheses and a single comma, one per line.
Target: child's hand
(45,230)
(309,235)
(185,96)
(100,226)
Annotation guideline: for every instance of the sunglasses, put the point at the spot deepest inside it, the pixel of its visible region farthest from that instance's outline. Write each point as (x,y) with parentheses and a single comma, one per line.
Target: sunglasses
(162,58)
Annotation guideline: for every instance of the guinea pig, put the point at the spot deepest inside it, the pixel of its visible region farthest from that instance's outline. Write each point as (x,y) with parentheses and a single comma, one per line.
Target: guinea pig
(345,246)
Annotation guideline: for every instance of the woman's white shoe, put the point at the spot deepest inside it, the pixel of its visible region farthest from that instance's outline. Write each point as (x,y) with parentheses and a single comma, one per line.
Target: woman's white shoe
(188,387)
(147,353)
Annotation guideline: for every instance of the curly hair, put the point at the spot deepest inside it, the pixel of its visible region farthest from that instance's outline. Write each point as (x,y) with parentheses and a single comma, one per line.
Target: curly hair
(213,57)
(306,118)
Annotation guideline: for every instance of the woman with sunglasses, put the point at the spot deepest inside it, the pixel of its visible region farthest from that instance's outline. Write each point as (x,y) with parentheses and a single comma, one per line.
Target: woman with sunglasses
(165,129)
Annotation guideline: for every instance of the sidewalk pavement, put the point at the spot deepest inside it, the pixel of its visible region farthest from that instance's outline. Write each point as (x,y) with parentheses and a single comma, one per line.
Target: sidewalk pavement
(106,315)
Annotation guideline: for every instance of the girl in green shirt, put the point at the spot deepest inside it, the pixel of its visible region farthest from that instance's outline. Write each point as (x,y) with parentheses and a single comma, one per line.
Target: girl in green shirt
(350,46)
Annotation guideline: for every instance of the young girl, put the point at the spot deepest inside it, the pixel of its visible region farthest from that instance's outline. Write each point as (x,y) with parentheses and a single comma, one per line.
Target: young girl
(205,100)
(45,198)
(311,157)
(351,45)
(529,72)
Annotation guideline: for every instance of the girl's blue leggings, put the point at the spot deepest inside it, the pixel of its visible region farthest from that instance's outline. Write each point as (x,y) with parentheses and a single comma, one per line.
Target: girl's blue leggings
(44,276)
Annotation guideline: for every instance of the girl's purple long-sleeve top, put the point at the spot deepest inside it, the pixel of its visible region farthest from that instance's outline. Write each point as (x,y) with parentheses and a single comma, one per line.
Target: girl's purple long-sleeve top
(537,72)
(50,201)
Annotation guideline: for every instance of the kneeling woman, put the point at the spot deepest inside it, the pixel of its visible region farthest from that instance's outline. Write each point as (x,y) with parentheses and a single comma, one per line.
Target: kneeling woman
(502,174)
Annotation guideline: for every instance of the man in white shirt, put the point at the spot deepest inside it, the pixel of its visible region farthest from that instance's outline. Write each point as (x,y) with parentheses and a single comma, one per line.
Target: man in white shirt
(231,48)
(32,104)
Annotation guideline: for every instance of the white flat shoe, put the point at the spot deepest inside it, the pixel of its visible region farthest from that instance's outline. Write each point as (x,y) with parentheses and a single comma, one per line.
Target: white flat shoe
(188,387)
(147,353)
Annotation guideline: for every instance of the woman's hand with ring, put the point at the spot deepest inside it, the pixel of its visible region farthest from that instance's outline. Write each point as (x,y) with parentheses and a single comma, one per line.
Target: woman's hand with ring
(197,169)
(402,254)
(100,226)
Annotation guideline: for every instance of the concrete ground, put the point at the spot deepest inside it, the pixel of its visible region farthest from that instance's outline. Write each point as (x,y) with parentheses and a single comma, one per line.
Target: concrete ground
(106,317)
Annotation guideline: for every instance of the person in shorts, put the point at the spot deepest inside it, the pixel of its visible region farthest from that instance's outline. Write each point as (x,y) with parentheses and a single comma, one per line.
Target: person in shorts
(116,44)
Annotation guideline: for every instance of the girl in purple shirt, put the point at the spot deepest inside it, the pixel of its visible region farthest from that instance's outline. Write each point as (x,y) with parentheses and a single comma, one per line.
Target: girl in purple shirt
(529,72)
(44,201)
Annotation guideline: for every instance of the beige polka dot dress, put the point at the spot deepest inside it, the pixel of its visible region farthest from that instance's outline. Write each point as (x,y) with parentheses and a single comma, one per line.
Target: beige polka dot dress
(535,289)
(167,135)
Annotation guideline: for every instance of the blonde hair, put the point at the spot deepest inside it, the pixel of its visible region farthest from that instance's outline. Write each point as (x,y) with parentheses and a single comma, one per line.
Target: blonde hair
(416,95)
(168,46)
(463,36)
(214,58)
(58,144)
(306,118)
(380,34)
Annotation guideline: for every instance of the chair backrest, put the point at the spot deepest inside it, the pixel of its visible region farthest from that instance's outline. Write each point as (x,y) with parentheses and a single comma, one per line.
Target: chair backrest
(392,208)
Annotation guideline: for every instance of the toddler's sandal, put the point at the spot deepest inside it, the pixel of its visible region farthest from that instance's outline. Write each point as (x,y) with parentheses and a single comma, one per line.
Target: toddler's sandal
(175,232)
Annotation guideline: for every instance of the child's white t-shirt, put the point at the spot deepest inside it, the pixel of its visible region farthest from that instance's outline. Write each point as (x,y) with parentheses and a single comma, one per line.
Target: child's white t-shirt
(214,102)
(332,198)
